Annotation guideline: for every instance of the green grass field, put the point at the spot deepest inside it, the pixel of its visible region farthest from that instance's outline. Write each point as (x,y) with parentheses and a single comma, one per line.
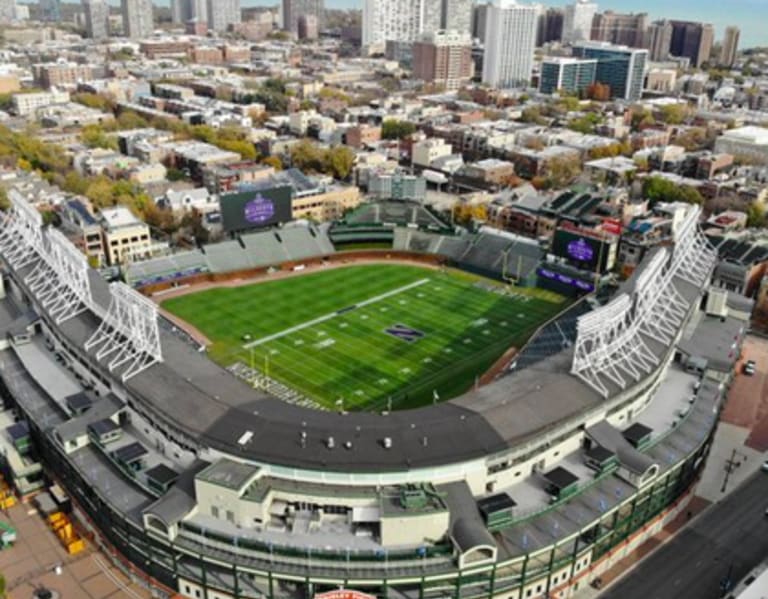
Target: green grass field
(368,335)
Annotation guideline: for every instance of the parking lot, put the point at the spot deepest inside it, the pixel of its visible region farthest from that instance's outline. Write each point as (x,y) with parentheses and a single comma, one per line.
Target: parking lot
(32,563)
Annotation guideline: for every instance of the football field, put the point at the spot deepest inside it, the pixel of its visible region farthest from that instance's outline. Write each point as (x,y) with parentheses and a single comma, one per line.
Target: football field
(368,336)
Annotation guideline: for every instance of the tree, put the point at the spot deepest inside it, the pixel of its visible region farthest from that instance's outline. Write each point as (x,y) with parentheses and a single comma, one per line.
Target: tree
(307,156)
(659,189)
(673,114)
(394,129)
(97,101)
(130,120)
(561,172)
(756,215)
(94,136)
(339,161)
(600,92)
(465,212)
(532,114)
(584,124)
(273,161)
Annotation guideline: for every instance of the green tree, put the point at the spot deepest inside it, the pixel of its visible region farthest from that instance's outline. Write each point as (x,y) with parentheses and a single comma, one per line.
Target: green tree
(308,156)
(756,215)
(673,114)
(339,161)
(394,129)
(273,161)
(130,120)
(94,136)
(659,189)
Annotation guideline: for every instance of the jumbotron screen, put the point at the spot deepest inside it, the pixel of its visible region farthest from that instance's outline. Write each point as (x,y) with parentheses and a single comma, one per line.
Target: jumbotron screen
(255,208)
(583,252)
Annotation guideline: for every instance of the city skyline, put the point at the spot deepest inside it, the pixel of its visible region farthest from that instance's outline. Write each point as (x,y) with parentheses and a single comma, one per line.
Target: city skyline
(740,13)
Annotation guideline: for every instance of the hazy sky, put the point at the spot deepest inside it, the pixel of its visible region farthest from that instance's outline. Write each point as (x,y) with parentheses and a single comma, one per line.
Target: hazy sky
(749,15)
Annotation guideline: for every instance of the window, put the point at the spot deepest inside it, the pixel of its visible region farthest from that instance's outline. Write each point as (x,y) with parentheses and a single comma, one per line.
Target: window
(231,516)
(214,511)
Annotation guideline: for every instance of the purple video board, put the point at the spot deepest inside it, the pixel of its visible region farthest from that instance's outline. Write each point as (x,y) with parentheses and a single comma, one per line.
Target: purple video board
(259,210)
(580,250)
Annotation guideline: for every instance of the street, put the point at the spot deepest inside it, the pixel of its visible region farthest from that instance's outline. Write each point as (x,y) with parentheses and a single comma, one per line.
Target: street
(731,535)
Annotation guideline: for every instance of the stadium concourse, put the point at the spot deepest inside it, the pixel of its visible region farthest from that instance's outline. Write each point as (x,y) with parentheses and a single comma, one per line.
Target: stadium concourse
(529,486)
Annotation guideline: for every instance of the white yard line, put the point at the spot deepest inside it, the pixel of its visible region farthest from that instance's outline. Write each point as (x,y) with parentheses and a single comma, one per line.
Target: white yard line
(315,321)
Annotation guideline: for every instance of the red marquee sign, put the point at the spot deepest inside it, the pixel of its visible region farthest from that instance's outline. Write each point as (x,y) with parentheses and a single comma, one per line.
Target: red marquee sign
(344,594)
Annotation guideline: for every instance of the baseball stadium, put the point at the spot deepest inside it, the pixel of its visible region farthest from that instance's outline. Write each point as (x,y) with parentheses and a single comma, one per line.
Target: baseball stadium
(278,416)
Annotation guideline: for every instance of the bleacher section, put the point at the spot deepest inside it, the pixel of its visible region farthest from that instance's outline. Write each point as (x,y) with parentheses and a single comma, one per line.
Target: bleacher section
(483,253)
(255,250)
(553,338)
(487,255)
(396,213)
(169,268)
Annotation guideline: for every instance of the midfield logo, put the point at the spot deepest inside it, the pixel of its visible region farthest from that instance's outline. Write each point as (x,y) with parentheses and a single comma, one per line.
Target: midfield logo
(404,333)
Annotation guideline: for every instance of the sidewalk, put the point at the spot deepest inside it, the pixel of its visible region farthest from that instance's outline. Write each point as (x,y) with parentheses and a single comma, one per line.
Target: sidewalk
(740,437)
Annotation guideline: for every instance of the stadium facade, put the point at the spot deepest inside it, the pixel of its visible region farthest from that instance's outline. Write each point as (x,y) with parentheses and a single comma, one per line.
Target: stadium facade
(204,486)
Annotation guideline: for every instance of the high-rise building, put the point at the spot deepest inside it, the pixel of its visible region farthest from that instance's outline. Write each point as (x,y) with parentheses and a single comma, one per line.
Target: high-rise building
(184,11)
(443,58)
(456,15)
(620,67)
(223,13)
(659,40)
(309,28)
(96,19)
(405,20)
(293,9)
(138,21)
(692,40)
(50,10)
(550,26)
(621,29)
(7,11)
(572,75)
(510,41)
(730,46)
(577,21)
(391,20)
(479,17)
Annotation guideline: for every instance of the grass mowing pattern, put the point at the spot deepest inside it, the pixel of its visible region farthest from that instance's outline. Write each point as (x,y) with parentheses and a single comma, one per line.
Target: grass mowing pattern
(465,327)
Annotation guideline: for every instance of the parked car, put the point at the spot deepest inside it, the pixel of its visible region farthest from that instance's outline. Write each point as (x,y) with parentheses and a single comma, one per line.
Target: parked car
(750,367)
(764,467)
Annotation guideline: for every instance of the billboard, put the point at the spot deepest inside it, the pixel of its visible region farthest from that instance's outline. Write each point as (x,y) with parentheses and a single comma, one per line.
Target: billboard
(255,208)
(579,285)
(585,252)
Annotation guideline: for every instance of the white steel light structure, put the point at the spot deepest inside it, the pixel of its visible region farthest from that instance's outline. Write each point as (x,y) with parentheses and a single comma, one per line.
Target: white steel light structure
(129,335)
(609,346)
(611,342)
(694,257)
(21,239)
(60,279)
(659,307)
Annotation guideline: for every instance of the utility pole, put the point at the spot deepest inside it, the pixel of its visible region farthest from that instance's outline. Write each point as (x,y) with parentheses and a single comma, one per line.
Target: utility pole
(731,465)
